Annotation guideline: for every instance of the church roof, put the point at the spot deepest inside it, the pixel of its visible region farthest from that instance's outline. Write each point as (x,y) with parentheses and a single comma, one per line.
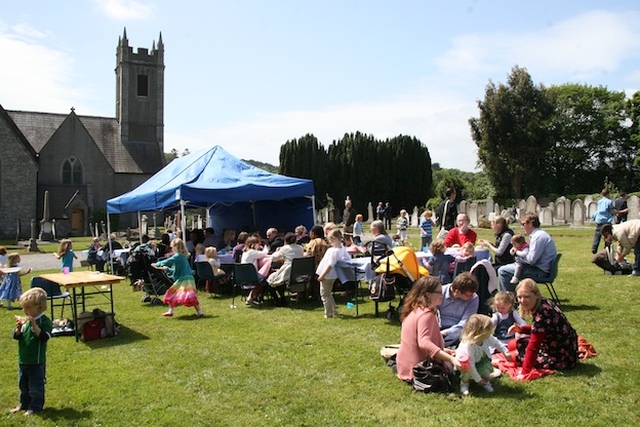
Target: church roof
(134,157)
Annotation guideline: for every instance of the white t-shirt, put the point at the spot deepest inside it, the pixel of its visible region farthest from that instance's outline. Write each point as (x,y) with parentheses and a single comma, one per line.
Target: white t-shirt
(331,258)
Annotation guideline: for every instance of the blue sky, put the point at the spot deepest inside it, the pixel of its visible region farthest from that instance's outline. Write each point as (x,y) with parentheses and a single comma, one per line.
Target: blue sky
(249,75)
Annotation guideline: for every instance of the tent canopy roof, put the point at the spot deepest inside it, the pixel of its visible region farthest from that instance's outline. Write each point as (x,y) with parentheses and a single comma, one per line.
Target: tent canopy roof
(206,177)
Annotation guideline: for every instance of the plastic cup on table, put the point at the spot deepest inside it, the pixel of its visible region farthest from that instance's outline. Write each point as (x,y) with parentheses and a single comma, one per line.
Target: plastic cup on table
(65,270)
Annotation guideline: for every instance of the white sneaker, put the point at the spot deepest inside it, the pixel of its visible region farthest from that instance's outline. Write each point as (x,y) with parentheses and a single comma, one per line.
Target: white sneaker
(514,280)
(487,386)
(464,388)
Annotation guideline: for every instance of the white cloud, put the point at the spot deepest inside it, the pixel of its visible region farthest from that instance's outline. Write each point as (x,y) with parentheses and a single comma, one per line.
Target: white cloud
(36,77)
(581,48)
(125,9)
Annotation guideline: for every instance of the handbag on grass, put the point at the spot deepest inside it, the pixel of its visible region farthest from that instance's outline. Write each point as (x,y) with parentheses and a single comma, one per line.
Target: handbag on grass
(431,377)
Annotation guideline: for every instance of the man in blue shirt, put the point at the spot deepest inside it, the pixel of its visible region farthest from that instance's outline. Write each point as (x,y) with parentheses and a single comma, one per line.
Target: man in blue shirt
(603,215)
(459,302)
(538,261)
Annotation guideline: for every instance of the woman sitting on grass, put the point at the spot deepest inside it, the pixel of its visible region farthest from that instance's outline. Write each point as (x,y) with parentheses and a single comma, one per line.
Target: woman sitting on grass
(420,337)
(553,343)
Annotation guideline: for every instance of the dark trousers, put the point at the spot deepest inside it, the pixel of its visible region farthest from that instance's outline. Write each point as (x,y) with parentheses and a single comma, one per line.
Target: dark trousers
(31,379)
(636,262)
(596,238)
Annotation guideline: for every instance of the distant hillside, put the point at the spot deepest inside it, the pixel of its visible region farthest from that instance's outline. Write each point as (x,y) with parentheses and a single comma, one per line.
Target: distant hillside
(264,166)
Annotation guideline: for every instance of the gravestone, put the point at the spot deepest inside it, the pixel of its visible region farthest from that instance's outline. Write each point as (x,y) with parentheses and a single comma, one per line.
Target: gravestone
(144,225)
(546,216)
(414,217)
(567,210)
(489,206)
(577,212)
(473,214)
(592,207)
(560,210)
(369,212)
(633,203)
(522,205)
(531,204)
(462,207)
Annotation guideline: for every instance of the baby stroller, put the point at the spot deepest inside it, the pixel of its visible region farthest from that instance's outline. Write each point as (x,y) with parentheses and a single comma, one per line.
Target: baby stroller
(156,282)
(396,270)
(138,264)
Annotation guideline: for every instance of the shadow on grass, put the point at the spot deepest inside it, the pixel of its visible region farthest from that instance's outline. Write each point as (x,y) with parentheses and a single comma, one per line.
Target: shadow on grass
(64,416)
(583,370)
(124,337)
(580,307)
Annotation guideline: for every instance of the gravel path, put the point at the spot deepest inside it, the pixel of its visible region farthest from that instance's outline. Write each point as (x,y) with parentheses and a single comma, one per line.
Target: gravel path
(39,262)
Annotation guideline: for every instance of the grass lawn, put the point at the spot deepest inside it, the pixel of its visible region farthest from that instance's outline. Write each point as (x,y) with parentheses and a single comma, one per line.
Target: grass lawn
(291,367)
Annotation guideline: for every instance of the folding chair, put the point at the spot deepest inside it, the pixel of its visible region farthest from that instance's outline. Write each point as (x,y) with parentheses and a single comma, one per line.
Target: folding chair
(53,293)
(204,272)
(461,267)
(245,278)
(301,275)
(548,281)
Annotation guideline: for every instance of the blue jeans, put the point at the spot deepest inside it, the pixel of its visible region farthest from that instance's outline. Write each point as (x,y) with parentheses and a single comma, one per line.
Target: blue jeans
(506,272)
(596,238)
(31,379)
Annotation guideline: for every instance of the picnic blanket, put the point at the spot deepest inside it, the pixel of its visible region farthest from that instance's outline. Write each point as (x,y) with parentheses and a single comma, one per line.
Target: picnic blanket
(499,360)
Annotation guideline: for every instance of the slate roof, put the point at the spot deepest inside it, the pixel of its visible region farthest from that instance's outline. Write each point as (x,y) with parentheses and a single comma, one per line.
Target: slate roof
(132,157)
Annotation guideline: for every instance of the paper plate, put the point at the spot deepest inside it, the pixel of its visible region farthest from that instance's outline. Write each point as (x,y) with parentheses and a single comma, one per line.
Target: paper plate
(7,270)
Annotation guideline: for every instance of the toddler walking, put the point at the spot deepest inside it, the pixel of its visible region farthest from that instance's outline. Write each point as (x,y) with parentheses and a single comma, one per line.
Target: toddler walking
(11,288)
(32,333)
(403,224)
(504,316)
(357,230)
(520,249)
(476,343)
(438,263)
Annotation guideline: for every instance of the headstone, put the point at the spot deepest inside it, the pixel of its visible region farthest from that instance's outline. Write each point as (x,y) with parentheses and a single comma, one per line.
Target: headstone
(577,212)
(497,209)
(560,209)
(54,231)
(567,210)
(592,207)
(144,225)
(522,205)
(33,243)
(370,216)
(414,217)
(46,233)
(462,207)
(633,203)
(489,206)
(473,214)
(531,204)
(546,216)
(587,200)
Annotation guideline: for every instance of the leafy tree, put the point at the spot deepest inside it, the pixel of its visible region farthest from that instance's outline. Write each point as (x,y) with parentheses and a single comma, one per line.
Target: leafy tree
(511,135)
(591,139)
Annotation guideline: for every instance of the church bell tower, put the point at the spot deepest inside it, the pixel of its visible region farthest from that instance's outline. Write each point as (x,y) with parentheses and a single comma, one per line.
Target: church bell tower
(140,92)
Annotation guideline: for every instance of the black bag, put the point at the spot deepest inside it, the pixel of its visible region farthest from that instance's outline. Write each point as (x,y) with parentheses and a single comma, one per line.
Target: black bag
(382,288)
(431,377)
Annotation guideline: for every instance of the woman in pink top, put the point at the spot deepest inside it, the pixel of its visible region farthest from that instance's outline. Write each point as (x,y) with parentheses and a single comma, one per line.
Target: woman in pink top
(420,338)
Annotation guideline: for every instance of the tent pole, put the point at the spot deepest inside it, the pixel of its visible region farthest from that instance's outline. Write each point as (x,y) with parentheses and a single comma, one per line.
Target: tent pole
(183,221)
(313,205)
(110,245)
(253,212)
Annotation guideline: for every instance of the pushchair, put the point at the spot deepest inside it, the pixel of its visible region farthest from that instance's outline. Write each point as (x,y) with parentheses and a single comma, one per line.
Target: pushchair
(138,264)
(397,269)
(155,282)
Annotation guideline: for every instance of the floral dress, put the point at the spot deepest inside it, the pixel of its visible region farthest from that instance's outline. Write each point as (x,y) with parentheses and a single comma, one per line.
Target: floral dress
(559,350)
(183,290)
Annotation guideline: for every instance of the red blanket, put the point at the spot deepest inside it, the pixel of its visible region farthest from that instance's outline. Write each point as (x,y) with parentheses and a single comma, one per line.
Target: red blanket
(499,360)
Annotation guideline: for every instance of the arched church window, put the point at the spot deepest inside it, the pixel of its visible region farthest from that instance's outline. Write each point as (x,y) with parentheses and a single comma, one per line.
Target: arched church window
(72,171)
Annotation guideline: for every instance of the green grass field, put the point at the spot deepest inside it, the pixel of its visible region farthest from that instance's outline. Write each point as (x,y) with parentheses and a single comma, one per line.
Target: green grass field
(291,367)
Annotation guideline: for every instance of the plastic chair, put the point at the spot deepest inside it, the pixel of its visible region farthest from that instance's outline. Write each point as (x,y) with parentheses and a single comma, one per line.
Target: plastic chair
(548,281)
(301,275)
(53,293)
(245,277)
(204,272)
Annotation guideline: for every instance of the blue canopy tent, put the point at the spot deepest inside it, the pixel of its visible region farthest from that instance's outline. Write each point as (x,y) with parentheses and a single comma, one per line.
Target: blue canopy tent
(236,194)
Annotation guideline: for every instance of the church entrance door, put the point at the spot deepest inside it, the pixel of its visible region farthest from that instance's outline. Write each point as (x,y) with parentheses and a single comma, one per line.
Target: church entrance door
(77,222)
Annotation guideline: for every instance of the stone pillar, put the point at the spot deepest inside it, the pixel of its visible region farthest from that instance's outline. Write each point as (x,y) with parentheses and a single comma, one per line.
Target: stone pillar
(33,243)
(370,212)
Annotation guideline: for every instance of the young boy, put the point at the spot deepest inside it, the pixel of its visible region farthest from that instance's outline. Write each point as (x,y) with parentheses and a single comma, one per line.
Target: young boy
(32,333)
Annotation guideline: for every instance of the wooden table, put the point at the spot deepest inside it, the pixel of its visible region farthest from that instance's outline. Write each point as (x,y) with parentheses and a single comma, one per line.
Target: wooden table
(100,282)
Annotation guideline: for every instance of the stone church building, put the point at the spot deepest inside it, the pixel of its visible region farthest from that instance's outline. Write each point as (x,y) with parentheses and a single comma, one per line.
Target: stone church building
(82,161)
